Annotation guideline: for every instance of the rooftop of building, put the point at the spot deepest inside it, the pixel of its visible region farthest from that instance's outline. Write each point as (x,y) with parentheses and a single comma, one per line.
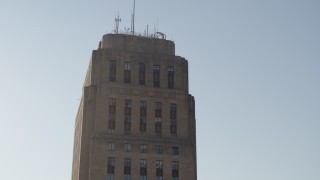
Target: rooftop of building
(128,41)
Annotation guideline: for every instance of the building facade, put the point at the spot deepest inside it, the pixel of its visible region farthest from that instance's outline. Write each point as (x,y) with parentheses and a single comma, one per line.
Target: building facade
(136,118)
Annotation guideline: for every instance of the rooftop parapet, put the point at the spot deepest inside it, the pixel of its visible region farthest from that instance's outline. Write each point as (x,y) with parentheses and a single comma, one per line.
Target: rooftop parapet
(138,43)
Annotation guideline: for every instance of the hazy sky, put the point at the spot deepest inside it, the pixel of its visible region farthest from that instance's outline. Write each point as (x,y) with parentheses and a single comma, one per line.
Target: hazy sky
(254,70)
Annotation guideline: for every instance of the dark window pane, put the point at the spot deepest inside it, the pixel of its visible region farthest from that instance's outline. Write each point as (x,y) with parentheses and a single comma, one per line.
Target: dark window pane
(170,77)
(112,72)
(156,76)
(142,74)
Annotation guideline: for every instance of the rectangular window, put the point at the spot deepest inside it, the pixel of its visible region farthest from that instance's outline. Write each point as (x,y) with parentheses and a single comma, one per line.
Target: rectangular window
(142,74)
(127,166)
(158,110)
(127,72)
(173,128)
(159,169)
(143,148)
(143,178)
(143,117)
(127,117)
(112,71)
(175,170)
(127,147)
(173,108)
(158,115)
(175,150)
(143,169)
(158,127)
(159,164)
(143,126)
(110,176)
(156,76)
(112,116)
(112,106)
(127,66)
(170,77)
(143,105)
(111,131)
(159,149)
(173,120)
(111,146)
(111,164)
(126,177)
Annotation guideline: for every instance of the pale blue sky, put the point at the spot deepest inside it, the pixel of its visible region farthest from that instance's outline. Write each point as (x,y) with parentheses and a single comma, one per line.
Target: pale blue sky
(254,70)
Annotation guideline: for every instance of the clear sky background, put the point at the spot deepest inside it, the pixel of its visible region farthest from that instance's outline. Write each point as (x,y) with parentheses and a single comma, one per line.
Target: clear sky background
(254,70)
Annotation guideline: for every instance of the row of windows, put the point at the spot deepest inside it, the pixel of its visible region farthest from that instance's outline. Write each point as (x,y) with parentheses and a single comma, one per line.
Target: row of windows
(143,169)
(143,104)
(144,148)
(143,117)
(142,74)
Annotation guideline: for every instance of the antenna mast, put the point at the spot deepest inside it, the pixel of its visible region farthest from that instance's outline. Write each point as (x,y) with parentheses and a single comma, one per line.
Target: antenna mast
(117,21)
(133,15)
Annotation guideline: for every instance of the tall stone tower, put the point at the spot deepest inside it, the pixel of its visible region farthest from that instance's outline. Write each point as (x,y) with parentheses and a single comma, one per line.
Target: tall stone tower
(136,118)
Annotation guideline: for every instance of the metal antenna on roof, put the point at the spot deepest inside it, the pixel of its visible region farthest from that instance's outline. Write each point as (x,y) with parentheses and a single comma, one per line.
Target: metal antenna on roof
(133,15)
(117,21)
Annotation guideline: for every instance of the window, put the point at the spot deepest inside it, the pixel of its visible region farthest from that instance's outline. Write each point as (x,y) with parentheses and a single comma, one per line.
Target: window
(127,103)
(143,163)
(173,107)
(173,120)
(112,102)
(127,162)
(127,66)
(159,149)
(156,76)
(127,72)
(111,146)
(111,131)
(143,148)
(143,126)
(111,161)
(159,170)
(143,105)
(127,169)
(112,71)
(158,115)
(175,150)
(158,126)
(111,164)
(158,120)
(112,116)
(158,107)
(175,170)
(170,77)
(126,177)
(142,74)
(143,121)
(127,117)
(159,164)
(143,169)
(143,117)
(127,147)
(110,177)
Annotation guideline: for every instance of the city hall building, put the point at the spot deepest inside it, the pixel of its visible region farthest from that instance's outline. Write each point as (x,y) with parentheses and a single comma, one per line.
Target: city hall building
(136,118)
